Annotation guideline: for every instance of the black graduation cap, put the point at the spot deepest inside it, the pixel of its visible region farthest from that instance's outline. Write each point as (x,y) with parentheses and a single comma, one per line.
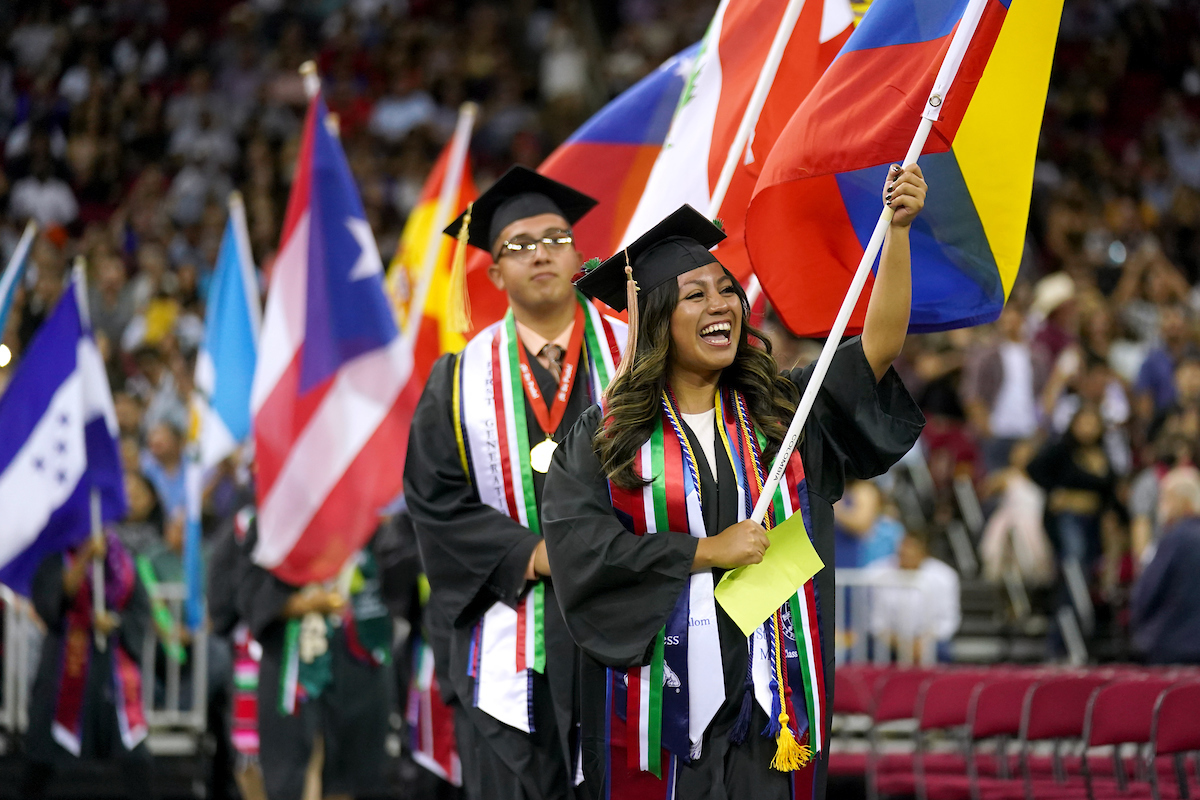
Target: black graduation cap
(519,193)
(678,244)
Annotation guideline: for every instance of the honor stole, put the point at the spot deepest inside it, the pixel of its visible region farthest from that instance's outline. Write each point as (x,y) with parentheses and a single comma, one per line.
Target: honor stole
(494,443)
(120,577)
(784,653)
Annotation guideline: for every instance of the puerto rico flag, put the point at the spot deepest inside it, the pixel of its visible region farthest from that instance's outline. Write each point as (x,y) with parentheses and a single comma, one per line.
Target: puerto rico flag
(329,429)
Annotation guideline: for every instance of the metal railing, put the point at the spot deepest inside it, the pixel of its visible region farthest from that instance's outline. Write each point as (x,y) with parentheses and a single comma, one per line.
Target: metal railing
(18,664)
(175,708)
(857,637)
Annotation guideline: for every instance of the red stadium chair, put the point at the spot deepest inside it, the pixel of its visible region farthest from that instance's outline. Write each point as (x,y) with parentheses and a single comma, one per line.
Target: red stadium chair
(993,713)
(896,696)
(1055,709)
(1120,713)
(852,697)
(944,705)
(1174,732)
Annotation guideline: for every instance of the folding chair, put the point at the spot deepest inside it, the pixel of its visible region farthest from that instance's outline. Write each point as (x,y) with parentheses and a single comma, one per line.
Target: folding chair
(852,699)
(896,694)
(1175,731)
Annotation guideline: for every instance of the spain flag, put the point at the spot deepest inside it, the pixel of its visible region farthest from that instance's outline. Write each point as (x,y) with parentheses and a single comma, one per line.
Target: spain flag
(418,286)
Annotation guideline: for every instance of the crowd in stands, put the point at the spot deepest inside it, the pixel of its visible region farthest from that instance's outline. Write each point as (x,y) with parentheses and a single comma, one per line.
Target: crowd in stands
(125,124)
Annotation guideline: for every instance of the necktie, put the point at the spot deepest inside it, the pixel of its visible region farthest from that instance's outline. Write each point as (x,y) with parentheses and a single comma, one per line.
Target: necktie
(551,357)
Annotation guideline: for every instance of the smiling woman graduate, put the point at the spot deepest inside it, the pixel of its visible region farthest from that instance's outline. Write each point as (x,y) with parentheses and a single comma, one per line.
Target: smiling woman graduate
(676,701)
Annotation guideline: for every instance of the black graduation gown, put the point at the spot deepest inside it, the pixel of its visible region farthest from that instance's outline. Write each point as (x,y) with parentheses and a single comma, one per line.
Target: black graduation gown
(101,731)
(476,556)
(622,587)
(351,713)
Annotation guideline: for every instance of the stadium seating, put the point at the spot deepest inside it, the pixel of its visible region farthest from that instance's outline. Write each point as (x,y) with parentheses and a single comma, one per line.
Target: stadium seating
(1121,732)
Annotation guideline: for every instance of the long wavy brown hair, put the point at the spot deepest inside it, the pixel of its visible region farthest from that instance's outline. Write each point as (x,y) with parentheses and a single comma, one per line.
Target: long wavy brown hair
(634,398)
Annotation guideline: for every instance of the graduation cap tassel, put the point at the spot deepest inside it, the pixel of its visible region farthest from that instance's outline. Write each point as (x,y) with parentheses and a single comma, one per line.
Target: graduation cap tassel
(458,311)
(631,303)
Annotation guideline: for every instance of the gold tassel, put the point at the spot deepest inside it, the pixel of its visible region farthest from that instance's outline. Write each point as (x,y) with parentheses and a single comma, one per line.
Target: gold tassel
(790,755)
(631,305)
(458,310)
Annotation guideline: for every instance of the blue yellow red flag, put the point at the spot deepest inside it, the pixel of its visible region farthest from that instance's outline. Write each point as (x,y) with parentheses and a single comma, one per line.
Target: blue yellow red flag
(818,197)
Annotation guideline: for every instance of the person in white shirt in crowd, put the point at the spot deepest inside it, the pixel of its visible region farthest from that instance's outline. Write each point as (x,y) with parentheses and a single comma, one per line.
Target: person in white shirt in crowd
(42,196)
(915,602)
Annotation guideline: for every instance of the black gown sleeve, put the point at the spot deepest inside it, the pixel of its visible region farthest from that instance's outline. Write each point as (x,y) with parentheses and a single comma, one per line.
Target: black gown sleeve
(223,573)
(135,621)
(858,427)
(473,554)
(260,596)
(621,587)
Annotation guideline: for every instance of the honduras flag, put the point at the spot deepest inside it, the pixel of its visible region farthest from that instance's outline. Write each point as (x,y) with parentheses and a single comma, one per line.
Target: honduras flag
(59,443)
(224,374)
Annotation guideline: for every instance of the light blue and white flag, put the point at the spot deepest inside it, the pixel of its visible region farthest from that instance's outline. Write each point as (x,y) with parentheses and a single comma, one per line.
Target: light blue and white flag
(229,352)
(224,374)
(59,443)
(11,278)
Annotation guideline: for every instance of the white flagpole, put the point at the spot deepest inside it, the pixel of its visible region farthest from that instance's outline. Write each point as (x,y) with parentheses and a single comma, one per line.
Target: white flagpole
(451,185)
(949,68)
(758,98)
(18,255)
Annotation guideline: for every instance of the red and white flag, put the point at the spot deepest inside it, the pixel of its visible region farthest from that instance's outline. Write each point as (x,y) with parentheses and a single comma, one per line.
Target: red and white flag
(330,423)
(715,99)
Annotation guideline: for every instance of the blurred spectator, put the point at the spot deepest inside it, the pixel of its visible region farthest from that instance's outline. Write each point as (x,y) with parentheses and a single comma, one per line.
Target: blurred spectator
(1155,385)
(162,464)
(1149,283)
(1055,314)
(926,607)
(866,527)
(1002,381)
(142,529)
(1015,534)
(1166,606)
(1171,449)
(43,197)
(1079,482)
(1080,379)
(155,386)
(110,298)
(854,518)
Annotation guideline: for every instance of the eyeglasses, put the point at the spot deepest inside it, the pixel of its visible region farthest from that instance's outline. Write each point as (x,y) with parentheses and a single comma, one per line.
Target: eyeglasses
(523,247)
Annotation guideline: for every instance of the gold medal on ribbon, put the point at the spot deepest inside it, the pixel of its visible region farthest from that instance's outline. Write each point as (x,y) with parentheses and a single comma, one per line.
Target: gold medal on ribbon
(542,454)
(548,419)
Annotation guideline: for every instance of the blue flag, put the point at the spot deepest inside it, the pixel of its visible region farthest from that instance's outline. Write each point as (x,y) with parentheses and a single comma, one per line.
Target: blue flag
(59,444)
(11,278)
(224,375)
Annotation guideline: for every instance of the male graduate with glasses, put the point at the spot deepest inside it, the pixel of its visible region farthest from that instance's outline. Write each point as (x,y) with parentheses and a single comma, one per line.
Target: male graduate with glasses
(482,439)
